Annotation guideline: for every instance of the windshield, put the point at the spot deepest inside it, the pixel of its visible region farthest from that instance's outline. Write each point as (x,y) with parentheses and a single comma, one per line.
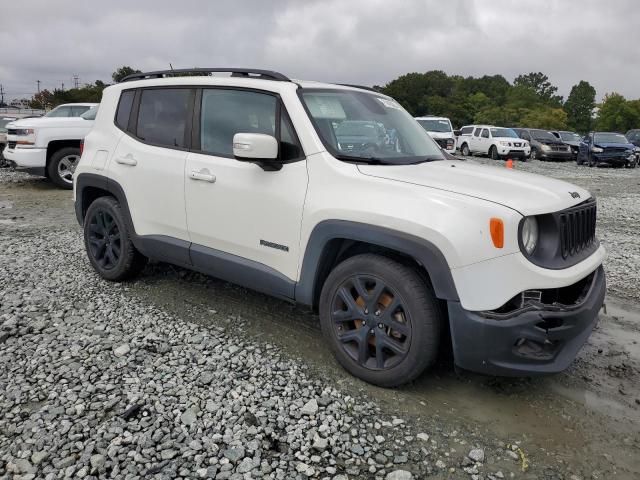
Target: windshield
(361,126)
(503,132)
(543,136)
(90,114)
(633,135)
(433,125)
(570,137)
(610,138)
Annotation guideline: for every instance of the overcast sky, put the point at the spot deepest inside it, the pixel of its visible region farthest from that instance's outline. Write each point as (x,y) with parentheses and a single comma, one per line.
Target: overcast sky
(350,41)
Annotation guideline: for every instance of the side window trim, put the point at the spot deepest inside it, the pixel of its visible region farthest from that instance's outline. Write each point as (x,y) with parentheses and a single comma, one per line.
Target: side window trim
(280,110)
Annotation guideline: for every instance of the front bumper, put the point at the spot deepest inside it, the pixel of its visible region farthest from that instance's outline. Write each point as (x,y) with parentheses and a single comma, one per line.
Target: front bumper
(513,152)
(540,340)
(614,160)
(555,155)
(28,159)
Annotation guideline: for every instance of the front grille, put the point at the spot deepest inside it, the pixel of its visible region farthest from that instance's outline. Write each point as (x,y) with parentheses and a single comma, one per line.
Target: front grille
(517,144)
(559,148)
(11,144)
(577,228)
(12,131)
(615,150)
(442,142)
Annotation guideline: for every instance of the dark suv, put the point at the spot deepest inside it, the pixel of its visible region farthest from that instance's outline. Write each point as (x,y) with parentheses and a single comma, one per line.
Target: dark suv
(544,145)
(607,148)
(572,139)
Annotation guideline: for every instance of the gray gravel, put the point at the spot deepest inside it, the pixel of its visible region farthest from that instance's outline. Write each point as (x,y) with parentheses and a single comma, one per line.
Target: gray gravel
(97,383)
(94,383)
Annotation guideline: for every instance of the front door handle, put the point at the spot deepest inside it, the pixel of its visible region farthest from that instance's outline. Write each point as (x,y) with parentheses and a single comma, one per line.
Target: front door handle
(202,175)
(127,160)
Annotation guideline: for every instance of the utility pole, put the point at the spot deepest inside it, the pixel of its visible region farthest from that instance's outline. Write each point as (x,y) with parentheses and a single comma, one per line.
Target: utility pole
(1,95)
(38,82)
(62,86)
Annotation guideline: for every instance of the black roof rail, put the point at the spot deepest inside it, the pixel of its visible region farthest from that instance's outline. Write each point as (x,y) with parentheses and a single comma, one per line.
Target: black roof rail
(362,87)
(235,72)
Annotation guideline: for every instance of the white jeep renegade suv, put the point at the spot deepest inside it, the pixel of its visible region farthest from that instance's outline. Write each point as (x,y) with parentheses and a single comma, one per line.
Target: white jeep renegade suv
(262,181)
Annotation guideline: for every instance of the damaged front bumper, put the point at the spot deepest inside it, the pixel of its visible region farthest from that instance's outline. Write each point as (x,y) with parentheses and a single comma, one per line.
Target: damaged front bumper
(536,332)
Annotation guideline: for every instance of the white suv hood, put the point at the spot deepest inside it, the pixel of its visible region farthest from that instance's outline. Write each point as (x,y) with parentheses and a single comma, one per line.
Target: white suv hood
(527,193)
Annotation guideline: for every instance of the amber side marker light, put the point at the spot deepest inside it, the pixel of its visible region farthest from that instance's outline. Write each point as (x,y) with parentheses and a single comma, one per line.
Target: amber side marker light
(496,227)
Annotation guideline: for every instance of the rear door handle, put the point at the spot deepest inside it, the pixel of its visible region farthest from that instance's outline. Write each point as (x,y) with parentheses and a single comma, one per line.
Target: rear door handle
(202,175)
(127,160)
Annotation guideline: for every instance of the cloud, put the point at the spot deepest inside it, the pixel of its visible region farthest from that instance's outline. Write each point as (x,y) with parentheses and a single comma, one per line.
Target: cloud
(358,41)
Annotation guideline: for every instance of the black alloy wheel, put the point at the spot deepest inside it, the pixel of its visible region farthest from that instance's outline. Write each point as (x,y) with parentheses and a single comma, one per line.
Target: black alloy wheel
(104,239)
(381,319)
(371,322)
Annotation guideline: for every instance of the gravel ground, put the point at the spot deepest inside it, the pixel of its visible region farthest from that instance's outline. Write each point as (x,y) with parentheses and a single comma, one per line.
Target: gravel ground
(97,382)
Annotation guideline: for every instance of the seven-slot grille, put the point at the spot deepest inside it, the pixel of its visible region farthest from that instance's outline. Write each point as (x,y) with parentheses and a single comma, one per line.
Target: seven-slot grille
(577,228)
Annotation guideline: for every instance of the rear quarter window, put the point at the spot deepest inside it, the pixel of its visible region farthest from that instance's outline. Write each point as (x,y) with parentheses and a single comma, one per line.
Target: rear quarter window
(124,108)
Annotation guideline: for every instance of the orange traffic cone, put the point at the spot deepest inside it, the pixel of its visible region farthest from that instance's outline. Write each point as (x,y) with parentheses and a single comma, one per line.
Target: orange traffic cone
(509,163)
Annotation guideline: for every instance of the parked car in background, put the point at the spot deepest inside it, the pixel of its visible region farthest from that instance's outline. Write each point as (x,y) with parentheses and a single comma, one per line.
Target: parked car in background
(361,136)
(440,130)
(496,142)
(607,148)
(3,136)
(634,136)
(545,145)
(49,146)
(572,139)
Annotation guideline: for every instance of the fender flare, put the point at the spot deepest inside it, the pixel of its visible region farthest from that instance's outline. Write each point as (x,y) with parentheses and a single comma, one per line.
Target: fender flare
(422,251)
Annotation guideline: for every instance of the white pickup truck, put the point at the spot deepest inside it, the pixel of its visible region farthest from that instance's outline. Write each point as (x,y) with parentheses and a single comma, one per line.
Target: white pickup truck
(440,129)
(49,146)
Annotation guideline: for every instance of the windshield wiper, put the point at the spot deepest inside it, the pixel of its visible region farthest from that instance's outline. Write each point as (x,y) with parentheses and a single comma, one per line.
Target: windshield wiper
(369,160)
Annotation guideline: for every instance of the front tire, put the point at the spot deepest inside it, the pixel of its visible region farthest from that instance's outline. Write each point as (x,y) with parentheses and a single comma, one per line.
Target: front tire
(381,320)
(493,153)
(108,242)
(464,150)
(62,166)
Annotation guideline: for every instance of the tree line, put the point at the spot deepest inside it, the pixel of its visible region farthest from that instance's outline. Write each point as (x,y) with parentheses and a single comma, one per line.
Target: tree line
(530,101)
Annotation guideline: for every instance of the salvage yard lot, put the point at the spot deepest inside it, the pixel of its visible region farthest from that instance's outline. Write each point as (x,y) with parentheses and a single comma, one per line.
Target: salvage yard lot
(181,375)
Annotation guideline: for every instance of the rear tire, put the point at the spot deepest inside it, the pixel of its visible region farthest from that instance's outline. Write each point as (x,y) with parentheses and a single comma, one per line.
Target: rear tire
(108,242)
(381,320)
(62,166)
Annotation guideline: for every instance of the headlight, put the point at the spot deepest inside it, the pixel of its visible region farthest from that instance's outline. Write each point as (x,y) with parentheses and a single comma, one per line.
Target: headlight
(23,131)
(544,147)
(505,144)
(529,234)
(597,150)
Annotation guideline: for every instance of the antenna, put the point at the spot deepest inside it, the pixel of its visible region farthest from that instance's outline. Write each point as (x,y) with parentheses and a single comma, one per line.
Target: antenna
(76,80)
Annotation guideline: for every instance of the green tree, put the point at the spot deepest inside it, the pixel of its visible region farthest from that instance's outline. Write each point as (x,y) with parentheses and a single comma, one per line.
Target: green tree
(540,84)
(122,72)
(546,118)
(579,107)
(616,114)
(42,100)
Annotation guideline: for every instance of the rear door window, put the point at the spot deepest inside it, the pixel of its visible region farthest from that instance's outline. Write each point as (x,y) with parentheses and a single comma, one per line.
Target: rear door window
(162,116)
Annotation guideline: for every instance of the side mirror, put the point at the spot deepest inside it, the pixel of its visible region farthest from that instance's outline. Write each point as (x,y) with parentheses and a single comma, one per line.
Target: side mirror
(456,133)
(257,148)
